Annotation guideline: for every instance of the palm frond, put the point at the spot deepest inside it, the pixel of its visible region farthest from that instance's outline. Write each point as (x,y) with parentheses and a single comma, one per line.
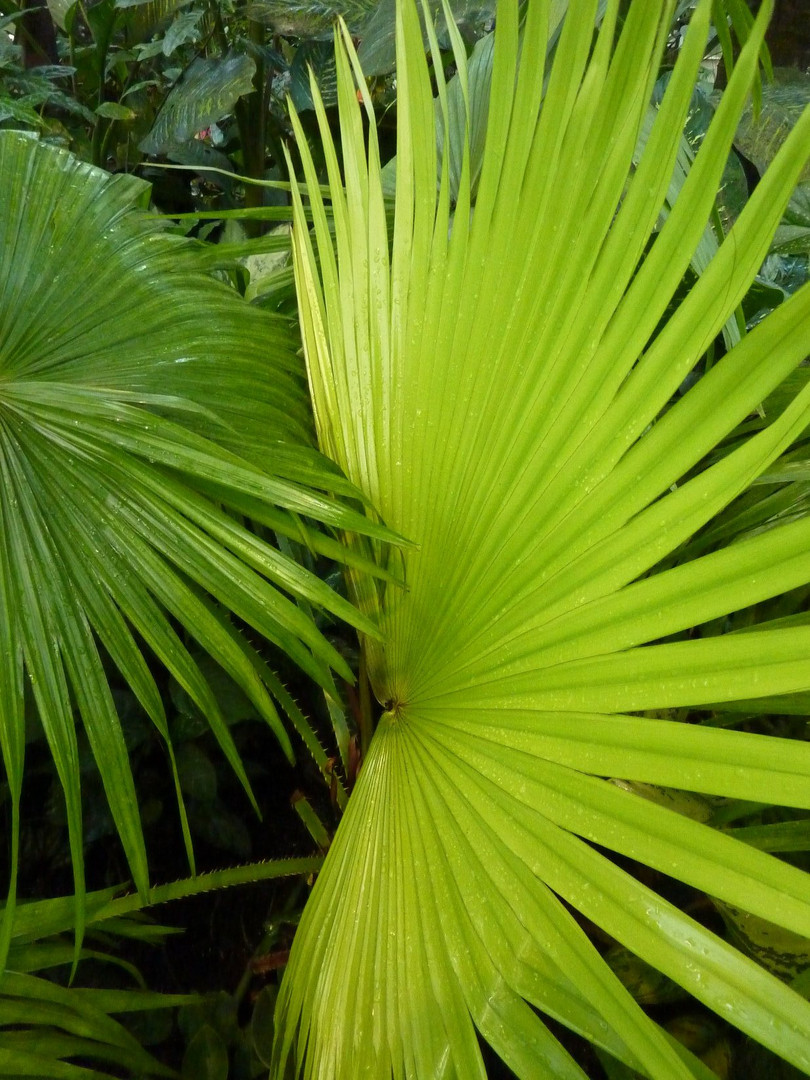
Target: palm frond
(502,384)
(131,387)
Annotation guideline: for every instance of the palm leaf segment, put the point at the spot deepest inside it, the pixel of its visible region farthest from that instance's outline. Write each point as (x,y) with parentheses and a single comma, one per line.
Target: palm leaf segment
(128,383)
(498,386)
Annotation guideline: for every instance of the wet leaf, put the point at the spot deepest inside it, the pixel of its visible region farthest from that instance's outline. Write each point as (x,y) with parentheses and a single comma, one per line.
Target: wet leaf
(208,90)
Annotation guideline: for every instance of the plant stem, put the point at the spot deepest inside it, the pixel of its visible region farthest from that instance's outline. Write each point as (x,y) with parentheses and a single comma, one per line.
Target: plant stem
(105,142)
(251,118)
(202,883)
(365,719)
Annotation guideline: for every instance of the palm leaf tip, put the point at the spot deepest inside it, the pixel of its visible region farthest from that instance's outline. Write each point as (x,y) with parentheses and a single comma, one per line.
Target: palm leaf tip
(500,375)
(133,431)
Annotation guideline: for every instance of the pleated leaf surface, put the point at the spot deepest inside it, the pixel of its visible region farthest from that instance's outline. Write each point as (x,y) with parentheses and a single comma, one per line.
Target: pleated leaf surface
(136,396)
(504,382)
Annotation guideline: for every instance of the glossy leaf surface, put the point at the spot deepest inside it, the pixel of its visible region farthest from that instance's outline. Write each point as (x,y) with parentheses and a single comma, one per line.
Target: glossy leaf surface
(130,384)
(502,384)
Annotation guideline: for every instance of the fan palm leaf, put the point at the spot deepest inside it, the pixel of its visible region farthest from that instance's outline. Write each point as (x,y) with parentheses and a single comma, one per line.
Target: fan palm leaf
(131,387)
(502,381)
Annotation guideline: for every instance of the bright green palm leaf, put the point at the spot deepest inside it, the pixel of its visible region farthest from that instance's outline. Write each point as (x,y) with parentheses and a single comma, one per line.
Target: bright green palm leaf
(137,395)
(501,386)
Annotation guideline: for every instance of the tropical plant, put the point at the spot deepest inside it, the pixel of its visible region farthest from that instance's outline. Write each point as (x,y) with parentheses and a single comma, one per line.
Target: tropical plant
(137,396)
(44,1025)
(200,82)
(507,384)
